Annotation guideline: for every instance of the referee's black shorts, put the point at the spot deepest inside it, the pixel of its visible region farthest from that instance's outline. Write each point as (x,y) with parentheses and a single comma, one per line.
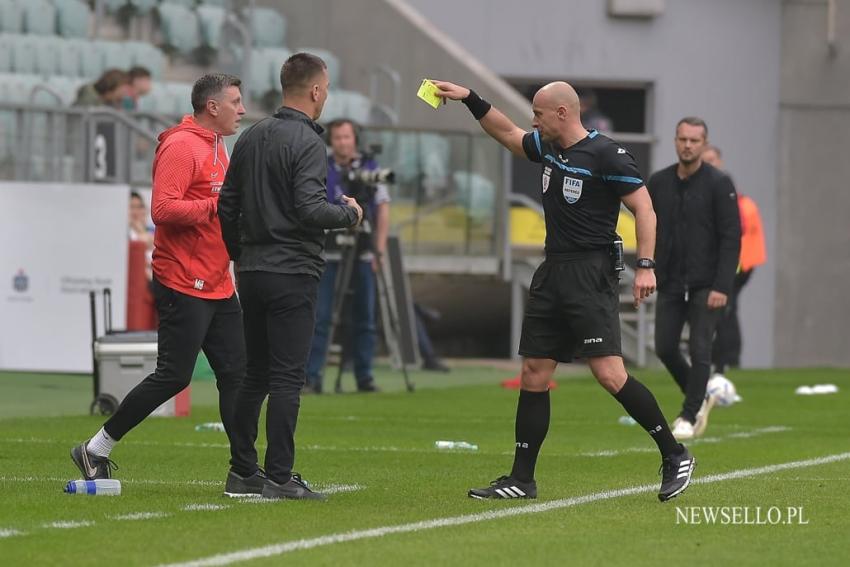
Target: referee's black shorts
(573,308)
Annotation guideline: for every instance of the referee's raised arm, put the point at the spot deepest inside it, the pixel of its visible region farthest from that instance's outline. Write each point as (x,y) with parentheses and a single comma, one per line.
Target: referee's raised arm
(492,120)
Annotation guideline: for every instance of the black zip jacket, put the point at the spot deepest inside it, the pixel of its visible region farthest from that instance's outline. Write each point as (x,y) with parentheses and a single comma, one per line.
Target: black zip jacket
(273,205)
(698,238)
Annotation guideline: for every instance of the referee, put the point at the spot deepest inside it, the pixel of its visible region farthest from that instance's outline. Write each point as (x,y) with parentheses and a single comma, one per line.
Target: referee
(572,310)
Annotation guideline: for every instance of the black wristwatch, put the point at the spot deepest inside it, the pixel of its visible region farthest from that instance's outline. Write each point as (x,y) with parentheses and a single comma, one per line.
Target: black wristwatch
(647,263)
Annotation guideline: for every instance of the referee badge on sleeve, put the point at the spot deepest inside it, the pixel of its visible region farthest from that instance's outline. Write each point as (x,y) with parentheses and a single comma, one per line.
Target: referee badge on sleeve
(547,172)
(572,189)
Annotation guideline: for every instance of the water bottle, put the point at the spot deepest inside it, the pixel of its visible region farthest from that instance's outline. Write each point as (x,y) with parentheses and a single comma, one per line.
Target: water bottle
(455,445)
(626,420)
(211,426)
(97,487)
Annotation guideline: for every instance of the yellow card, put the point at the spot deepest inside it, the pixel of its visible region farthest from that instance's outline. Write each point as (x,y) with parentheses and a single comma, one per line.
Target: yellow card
(428,93)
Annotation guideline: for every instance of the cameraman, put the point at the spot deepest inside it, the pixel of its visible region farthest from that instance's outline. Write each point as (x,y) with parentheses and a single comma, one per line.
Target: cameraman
(344,165)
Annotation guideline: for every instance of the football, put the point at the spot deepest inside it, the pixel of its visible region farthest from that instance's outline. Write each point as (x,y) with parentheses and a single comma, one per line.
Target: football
(723,390)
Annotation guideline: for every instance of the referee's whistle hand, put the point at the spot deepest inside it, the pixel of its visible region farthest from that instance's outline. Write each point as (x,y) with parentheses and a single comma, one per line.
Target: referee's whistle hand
(450,90)
(644,285)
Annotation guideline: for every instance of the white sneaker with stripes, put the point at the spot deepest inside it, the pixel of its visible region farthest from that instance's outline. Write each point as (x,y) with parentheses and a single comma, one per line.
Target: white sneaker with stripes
(676,471)
(505,488)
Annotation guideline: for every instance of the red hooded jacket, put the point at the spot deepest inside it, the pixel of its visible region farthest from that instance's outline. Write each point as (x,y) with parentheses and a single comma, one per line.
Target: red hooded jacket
(189,254)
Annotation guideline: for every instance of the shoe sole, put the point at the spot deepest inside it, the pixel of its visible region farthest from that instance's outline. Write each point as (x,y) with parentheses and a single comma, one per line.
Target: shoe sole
(479,497)
(702,417)
(684,486)
(242,494)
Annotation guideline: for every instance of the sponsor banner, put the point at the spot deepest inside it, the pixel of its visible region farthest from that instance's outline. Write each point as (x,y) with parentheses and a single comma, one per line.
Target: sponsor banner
(59,241)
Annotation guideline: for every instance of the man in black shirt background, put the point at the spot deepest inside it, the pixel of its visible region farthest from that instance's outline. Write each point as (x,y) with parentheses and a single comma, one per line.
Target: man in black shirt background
(697,248)
(573,304)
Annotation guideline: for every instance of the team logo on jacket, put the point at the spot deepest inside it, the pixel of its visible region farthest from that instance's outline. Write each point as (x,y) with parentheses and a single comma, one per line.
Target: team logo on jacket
(572,189)
(547,172)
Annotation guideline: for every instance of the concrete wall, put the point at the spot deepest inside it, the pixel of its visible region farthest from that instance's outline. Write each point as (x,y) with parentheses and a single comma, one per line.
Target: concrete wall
(812,255)
(718,59)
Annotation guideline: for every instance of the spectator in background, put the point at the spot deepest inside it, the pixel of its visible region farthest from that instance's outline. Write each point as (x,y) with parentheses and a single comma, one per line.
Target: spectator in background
(140,85)
(726,351)
(109,90)
(140,229)
(591,117)
(697,246)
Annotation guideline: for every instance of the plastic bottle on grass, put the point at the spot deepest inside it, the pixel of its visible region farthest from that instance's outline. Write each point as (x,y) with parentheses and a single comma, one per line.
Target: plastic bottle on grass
(626,420)
(97,487)
(211,426)
(455,445)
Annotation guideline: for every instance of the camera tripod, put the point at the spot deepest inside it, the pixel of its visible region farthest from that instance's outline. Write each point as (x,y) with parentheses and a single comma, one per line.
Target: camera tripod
(348,242)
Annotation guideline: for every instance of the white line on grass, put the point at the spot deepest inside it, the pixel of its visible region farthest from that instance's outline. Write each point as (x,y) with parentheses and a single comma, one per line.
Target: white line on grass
(9,532)
(698,441)
(324,488)
(141,516)
(204,507)
(123,480)
(68,525)
(286,547)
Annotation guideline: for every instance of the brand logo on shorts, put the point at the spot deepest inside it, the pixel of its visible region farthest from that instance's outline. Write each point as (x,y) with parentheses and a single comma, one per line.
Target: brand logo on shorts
(572,189)
(547,172)
(199,284)
(592,340)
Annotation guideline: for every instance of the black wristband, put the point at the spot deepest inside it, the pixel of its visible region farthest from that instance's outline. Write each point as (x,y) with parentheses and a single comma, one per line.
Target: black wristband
(476,105)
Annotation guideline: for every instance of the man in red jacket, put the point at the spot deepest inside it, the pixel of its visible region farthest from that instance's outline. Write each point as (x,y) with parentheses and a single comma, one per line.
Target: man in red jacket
(195,299)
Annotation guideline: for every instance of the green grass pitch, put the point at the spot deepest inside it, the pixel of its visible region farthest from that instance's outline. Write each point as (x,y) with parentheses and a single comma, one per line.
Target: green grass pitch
(396,499)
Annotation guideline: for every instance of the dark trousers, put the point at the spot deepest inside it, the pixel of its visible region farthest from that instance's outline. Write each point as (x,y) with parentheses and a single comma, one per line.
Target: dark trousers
(671,313)
(279,314)
(186,325)
(727,341)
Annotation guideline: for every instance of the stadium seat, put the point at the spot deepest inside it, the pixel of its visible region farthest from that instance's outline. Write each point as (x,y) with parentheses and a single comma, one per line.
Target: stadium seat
(220,3)
(23,54)
(69,57)
(330,60)
(39,17)
(276,56)
(268,27)
(147,55)
(211,19)
(5,53)
(258,82)
(179,26)
(116,55)
(476,193)
(157,101)
(91,60)
(114,5)
(181,94)
(67,87)
(47,55)
(72,18)
(143,6)
(11,17)
(185,3)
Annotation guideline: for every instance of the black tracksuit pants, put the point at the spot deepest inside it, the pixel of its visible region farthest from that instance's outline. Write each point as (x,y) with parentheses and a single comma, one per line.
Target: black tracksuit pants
(186,325)
(279,317)
(671,313)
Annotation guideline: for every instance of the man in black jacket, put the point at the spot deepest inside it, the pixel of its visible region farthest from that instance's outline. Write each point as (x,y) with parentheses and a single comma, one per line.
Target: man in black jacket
(697,246)
(274,211)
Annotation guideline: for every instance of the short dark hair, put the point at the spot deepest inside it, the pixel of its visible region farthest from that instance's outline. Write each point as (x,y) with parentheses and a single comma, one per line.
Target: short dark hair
(209,86)
(110,80)
(139,72)
(694,121)
(299,70)
(339,123)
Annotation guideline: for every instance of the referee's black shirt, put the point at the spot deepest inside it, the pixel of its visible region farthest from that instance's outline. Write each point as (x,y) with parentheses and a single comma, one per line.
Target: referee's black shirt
(581,188)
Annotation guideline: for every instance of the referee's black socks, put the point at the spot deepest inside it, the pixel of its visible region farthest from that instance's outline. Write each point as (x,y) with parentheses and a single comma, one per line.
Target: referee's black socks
(532,424)
(639,402)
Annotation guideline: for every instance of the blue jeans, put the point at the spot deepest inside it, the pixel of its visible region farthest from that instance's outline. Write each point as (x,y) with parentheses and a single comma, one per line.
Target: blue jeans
(362,309)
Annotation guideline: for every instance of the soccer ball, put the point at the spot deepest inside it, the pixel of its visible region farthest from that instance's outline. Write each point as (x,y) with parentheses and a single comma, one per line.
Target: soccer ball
(723,391)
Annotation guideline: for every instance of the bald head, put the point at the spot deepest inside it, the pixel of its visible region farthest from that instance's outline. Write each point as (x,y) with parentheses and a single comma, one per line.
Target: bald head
(556,113)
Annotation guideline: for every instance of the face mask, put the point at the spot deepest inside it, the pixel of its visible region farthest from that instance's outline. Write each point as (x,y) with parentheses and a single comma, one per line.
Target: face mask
(127,103)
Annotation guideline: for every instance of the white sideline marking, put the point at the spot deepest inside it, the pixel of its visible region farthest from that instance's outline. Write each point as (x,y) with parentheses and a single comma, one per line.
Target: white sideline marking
(141,516)
(204,507)
(698,441)
(286,547)
(123,480)
(9,532)
(324,488)
(68,525)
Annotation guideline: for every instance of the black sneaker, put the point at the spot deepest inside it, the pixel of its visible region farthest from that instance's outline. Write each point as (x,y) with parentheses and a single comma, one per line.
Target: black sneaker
(238,486)
(676,471)
(505,487)
(295,488)
(368,386)
(91,466)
